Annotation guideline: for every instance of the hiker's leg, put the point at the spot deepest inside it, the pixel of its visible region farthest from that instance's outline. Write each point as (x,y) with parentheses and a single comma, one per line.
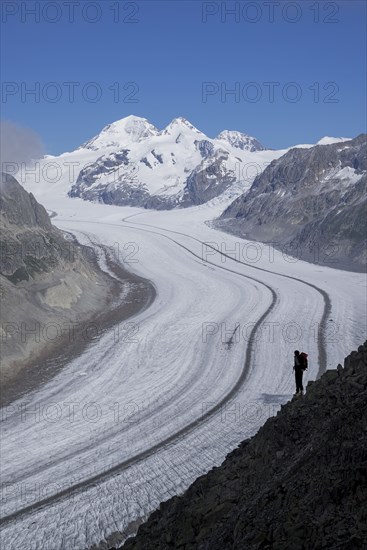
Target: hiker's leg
(298,382)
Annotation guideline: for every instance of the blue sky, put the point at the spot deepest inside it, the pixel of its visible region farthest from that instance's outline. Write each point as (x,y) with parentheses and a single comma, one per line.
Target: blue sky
(163,59)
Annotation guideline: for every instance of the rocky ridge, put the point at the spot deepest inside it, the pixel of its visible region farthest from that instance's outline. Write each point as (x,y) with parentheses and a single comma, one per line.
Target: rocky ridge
(310,203)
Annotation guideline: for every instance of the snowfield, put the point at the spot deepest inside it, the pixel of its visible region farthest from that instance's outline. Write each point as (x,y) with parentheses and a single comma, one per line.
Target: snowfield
(158,401)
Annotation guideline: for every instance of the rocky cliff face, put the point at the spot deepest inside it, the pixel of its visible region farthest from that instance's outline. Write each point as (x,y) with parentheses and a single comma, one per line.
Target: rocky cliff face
(210,179)
(311,203)
(298,484)
(29,242)
(48,284)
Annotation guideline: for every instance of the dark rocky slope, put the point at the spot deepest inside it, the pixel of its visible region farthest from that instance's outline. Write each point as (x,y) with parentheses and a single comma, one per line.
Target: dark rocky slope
(311,203)
(30,244)
(208,180)
(49,285)
(299,484)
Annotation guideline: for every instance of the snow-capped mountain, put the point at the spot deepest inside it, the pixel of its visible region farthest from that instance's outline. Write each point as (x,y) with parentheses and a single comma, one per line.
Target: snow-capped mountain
(131,162)
(140,165)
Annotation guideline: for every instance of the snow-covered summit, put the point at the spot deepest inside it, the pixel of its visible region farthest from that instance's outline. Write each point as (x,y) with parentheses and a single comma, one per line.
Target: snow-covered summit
(134,129)
(327,140)
(180,124)
(240,141)
(131,129)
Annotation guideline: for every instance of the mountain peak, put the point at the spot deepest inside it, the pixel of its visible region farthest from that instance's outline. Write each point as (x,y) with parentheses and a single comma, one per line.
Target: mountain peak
(133,118)
(127,130)
(181,120)
(180,123)
(240,140)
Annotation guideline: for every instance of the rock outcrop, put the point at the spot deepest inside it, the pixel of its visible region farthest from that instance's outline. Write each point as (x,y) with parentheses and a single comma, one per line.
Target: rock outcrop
(299,484)
(208,180)
(310,203)
(30,244)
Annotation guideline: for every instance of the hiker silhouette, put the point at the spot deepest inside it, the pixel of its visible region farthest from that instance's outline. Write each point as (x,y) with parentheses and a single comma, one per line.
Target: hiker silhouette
(300,365)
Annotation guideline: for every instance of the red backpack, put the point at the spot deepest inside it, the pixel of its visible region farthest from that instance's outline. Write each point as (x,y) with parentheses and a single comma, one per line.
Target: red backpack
(304,360)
